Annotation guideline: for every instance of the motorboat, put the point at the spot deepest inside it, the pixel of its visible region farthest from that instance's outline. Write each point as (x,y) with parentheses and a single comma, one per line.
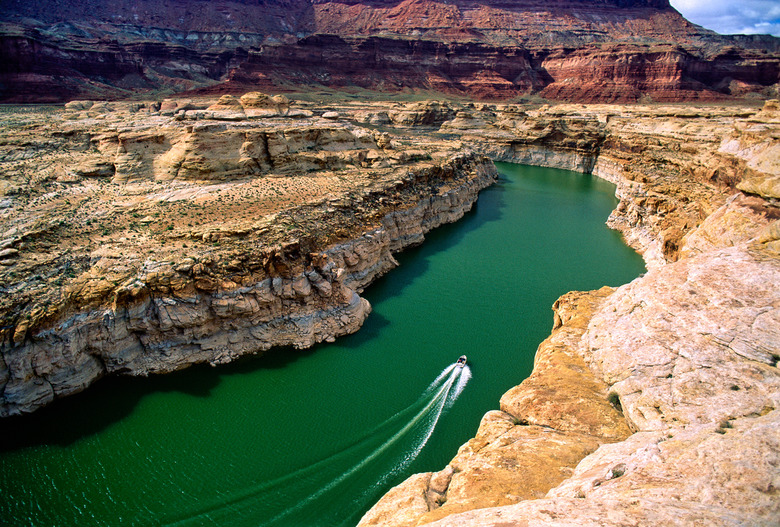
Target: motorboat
(461,361)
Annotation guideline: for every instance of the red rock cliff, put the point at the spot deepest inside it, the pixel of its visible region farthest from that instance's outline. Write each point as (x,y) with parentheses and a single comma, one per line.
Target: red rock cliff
(607,50)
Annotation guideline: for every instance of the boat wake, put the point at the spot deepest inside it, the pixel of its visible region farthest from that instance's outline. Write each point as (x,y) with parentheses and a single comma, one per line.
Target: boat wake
(391,447)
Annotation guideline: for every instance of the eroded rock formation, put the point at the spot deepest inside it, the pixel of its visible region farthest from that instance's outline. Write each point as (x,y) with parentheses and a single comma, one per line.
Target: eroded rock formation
(153,242)
(684,358)
(142,237)
(697,382)
(610,51)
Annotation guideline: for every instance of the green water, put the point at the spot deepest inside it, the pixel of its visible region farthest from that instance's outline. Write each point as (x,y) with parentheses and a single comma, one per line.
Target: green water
(315,437)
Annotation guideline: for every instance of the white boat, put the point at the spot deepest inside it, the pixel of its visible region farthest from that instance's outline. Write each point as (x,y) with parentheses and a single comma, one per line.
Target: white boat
(461,361)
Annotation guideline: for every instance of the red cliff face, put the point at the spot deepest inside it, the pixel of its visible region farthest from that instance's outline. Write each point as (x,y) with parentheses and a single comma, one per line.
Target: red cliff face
(627,73)
(579,50)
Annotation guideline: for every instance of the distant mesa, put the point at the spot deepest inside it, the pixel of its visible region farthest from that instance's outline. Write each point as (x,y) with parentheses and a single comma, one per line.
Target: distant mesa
(571,50)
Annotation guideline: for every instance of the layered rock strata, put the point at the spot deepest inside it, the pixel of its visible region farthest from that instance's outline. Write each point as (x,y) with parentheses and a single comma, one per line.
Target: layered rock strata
(673,166)
(162,230)
(621,72)
(686,355)
(621,51)
(694,372)
(213,238)
(559,415)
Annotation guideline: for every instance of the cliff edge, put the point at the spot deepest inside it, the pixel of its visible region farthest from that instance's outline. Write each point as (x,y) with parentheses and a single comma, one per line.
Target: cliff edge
(656,402)
(572,50)
(143,238)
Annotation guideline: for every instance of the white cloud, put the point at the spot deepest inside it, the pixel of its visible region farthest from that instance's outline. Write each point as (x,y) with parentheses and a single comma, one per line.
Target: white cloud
(733,16)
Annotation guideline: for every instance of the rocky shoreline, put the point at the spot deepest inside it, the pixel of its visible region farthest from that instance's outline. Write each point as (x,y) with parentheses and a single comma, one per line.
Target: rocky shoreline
(239,290)
(655,402)
(146,331)
(701,408)
(190,231)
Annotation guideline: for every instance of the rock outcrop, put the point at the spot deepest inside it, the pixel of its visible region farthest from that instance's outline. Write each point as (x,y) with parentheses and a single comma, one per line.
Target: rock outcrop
(143,237)
(674,167)
(559,415)
(699,386)
(609,51)
(153,242)
(684,358)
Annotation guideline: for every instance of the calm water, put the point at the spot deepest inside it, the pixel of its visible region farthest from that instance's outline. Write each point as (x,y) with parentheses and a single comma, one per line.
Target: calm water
(315,437)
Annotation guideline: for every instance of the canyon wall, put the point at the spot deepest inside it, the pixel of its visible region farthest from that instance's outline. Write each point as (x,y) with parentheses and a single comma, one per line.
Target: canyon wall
(568,50)
(143,237)
(656,402)
(161,286)
(616,72)
(175,314)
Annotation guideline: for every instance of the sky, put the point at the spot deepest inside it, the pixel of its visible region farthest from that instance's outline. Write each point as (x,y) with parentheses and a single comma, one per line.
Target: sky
(733,16)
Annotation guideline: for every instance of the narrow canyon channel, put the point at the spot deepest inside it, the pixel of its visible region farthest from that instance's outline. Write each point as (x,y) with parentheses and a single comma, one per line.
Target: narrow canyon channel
(315,437)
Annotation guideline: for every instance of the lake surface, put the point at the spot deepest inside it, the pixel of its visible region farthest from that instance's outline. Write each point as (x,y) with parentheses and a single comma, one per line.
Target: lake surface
(314,438)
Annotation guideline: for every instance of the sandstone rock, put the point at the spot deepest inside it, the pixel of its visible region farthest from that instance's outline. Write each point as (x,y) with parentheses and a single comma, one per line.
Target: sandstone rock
(404,504)
(610,51)
(735,222)
(560,393)
(429,113)
(464,120)
(100,109)
(716,437)
(92,168)
(8,253)
(167,268)
(255,99)
(768,240)
(771,110)
(77,106)
(688,351)
(545,427)
(227,238)
(697,474)
(703,335)
(767,187)
(384,140)
(68,178)
(257,104)
(379,118)
(227,108)
(227,102)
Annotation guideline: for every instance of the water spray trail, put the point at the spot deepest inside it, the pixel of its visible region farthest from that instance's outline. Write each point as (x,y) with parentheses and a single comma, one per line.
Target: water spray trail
(446,371)
(446,402)
(440,399)
(302,472)
(437,395)
(463,380)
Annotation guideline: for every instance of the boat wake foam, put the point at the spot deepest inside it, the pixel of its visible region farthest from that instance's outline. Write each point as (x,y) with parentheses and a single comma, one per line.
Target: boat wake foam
(395,444)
